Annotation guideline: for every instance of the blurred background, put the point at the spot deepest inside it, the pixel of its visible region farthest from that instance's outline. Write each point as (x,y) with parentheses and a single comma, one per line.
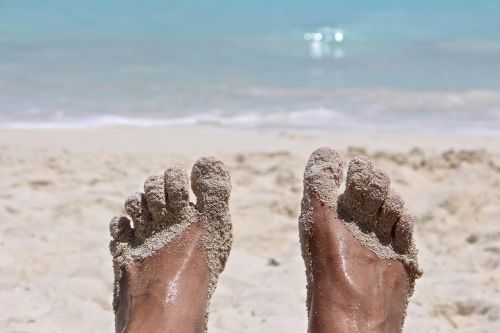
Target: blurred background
(98,95)
(431,65)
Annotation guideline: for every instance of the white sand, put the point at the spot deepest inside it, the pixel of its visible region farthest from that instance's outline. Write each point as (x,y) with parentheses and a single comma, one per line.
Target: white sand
(59,189)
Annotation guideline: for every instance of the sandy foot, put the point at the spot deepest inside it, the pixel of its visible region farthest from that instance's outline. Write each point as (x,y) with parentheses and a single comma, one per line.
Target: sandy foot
(359,252)
(175,251)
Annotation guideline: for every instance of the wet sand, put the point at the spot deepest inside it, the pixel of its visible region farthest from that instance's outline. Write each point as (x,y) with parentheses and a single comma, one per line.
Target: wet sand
(59,190)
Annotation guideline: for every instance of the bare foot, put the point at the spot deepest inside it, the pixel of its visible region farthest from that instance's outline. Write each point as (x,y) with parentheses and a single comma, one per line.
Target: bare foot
(166,267)
(361,262)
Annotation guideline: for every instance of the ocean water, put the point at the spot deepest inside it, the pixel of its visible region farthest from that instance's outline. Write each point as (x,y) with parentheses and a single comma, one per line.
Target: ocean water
(396,65)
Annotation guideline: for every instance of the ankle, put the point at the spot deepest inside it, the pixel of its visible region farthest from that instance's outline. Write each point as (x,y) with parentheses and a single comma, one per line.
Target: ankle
(336,320)
(338,308)
(151,317)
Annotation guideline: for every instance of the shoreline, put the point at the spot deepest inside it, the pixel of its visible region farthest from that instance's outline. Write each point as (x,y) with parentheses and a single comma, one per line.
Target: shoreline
(222,124)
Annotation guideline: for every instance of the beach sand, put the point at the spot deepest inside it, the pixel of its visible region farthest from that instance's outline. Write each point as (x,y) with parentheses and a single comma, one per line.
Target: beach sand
(60,188)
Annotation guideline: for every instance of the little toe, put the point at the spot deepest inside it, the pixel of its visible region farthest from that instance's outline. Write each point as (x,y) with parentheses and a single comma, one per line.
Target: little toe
(211,183)
(390,214)
(323,175)
(120,228)
(403,233)
(136,208)
(177,189)
(154,188)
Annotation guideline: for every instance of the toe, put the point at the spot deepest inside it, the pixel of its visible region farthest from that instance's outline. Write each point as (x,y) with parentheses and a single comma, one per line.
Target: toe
(120,228)
(154,189)
(136,208)
(323,175)
(211,182)
(375,193)
(366,190)
(403,233)
(327,156)
(358,176)
(390,213)
(177,188)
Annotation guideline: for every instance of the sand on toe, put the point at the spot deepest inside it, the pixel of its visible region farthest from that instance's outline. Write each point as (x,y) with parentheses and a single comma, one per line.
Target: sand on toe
(58,190)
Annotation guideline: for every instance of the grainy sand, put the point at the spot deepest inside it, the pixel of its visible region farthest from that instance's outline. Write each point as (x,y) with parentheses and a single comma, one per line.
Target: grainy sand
(59,189)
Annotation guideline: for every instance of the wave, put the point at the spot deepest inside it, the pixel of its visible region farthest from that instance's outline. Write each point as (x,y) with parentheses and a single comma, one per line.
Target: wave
(246,120)
(311,119)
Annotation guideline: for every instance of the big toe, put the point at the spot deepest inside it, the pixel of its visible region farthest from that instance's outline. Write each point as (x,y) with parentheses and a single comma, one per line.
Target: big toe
(211,183)
(323,175)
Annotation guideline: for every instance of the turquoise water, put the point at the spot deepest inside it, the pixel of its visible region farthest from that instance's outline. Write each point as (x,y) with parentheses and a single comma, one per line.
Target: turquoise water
(390,65)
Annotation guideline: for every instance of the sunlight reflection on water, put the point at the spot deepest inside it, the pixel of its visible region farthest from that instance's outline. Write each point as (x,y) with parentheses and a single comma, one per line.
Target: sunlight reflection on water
(325,42)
